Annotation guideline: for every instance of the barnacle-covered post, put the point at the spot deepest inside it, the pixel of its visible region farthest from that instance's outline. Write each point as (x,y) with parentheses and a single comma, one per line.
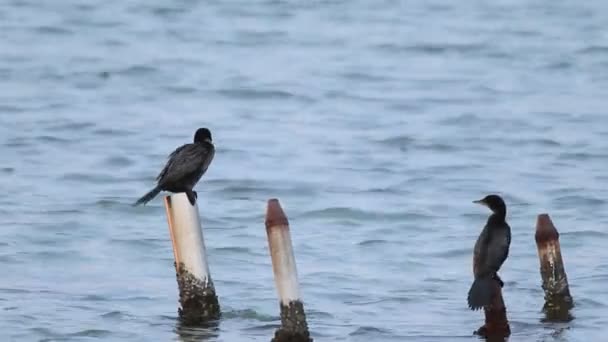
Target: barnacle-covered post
(197,296)
(293,319)
(558,301)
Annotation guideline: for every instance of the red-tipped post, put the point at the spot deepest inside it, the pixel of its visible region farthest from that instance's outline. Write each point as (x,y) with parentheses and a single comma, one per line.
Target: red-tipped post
(199,304)
(496,323)
(558,301)
(293,319)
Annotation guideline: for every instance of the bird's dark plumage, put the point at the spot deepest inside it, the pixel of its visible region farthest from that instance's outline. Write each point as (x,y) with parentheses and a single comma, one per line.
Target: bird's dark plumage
(491,251)
(185,167)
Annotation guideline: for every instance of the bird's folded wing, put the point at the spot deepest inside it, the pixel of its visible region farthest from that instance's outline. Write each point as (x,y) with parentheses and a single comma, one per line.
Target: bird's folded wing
(497,252)
(184,161)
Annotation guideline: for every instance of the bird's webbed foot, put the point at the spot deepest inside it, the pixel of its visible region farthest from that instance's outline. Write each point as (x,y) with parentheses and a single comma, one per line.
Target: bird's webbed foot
(500,282)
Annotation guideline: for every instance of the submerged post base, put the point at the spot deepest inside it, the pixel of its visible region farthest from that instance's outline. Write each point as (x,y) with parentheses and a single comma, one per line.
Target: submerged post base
(557,309)
(293,324)
(558,302)
(199,303)
(496,324)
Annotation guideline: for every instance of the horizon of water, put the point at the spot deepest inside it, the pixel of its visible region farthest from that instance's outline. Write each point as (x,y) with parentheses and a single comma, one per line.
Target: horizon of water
(375,124)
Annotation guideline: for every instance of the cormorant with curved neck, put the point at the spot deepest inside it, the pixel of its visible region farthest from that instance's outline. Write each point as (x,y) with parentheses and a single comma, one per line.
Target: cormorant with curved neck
(185,167)
(491,251)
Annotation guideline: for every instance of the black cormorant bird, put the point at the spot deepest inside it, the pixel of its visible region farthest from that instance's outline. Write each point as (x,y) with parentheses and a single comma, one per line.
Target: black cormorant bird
(186,165)
(491,250)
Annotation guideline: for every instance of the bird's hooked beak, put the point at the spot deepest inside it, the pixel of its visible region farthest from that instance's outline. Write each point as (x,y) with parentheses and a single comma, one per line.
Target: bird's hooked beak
(482,202)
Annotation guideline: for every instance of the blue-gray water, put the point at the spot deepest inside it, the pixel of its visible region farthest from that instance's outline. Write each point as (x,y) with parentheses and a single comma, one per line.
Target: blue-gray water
(376,123)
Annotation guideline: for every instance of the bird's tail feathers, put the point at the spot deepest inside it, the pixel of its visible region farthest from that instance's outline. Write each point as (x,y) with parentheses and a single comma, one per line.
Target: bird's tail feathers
(147,197)
(482,291)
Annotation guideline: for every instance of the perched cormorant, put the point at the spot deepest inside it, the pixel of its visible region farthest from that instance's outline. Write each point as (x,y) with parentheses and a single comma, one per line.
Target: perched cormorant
(186,165)
(491,250)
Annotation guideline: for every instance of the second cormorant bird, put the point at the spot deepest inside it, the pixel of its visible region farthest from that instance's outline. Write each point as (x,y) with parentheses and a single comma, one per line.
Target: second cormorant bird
(491,251)
(186,165)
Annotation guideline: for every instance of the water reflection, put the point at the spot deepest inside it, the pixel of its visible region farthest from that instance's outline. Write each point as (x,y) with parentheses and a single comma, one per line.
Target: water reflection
(557,312)
(199,332)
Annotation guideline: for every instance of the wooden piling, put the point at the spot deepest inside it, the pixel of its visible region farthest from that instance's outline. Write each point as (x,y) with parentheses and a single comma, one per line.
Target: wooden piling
(558,300)
(199,303)
(496,323)
(293,318)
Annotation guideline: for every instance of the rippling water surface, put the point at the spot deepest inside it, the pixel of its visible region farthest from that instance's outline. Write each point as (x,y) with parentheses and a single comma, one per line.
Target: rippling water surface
(375,123)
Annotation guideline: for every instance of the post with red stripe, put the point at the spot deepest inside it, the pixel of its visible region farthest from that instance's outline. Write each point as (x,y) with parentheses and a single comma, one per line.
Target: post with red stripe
(293,319)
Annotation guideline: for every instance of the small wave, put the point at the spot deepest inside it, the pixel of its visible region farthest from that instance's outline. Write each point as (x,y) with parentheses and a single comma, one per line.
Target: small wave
(401,141)
(319,315)
(258,94)
(89,178)
(587,302)
(14,291)
(138,242)
(433,48)
(586,233)
(53,30)
(373,242)
(541,142)
(559,65)
(168,12)
(62,212)
(234,250)
(118,161)
(582,156)
(46,333)
(458,252)
(249,314)
(263,327)
(11,109)
(91,333)
(361,76)
(113,132)
(368,330)
(579,200)
(71,126)
(17,142)
(208,331)
(10,259)
(53,255)
(109,203)
(349,213)
(404,107)
(594,50)
(245,189)
(391,190)
(95,298)
(437,147)
(599,278)
(137,70)
(52,139)
(460,120)
(355,215)
(113,315)
(181,89)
